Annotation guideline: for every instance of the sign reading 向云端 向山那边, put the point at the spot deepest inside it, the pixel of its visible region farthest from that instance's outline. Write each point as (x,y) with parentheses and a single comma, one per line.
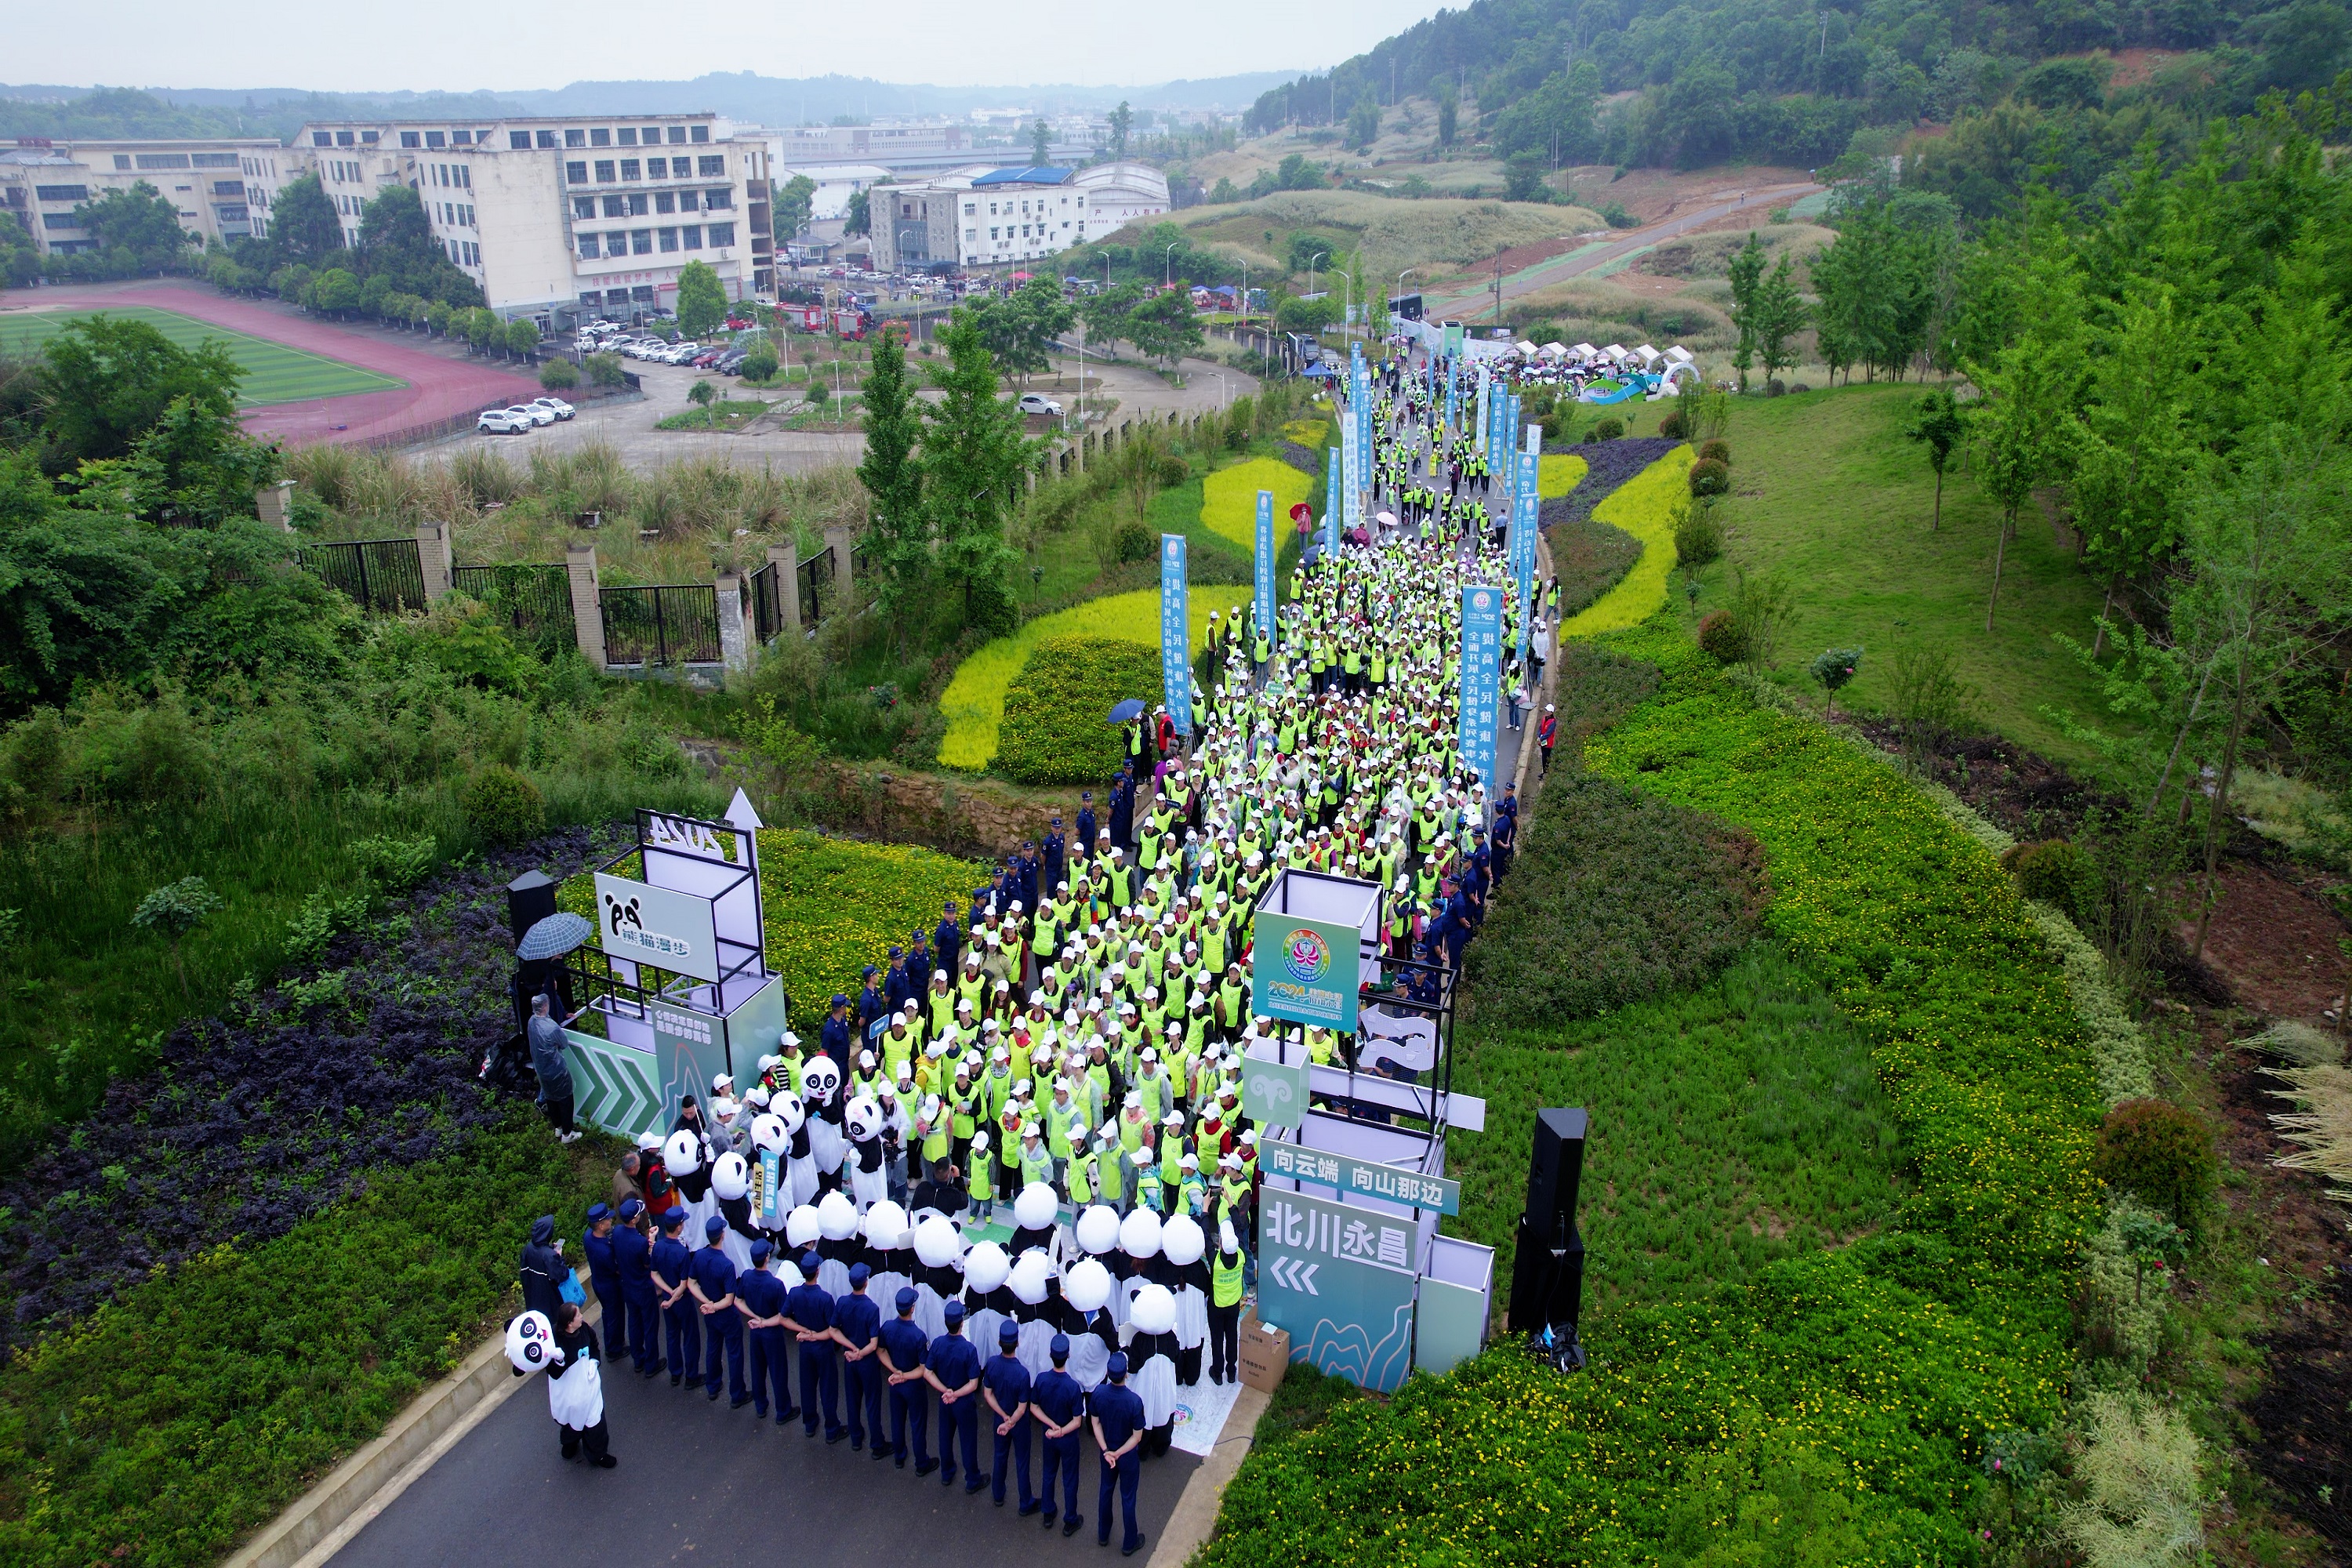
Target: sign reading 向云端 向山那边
(660,926)
(1304,971)
(1341,1280)
(1351,1174)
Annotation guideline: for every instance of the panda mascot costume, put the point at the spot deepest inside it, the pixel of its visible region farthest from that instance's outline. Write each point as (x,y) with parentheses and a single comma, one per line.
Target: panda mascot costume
(1033,1227)
(820,1093)
(1152,1353)
(1086,1318)
(864,1167)
(938,1273)
(682,1153)
(800,1158)
(987,1303)
(837,1243)
(1183,1249)
(890,1254)
(730,1190)
(1030,1285)
(1138,1255)
(576,1381)
(769,1137)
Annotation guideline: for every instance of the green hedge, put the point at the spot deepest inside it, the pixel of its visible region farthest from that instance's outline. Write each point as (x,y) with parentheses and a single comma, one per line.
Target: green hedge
(1055,729)
(163,1428)
(1884,1364)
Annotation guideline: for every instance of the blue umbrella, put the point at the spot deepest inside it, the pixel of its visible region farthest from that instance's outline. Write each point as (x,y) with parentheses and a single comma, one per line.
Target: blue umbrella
(1130,709)
(557,934)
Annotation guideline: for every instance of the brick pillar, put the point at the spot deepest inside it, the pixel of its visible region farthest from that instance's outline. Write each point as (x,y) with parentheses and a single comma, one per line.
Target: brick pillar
(587,612)
(841,540)
(734,641)
(433,553)
(275,504)
(788,581)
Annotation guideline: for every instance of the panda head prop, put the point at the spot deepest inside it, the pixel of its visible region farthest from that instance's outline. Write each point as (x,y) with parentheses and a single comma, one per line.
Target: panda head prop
(886,1224)
(821,1080)
(1153,1311)
(730,1177)
(1098,1228)
(1138,1234)
(1087,1285)
(682,1153)
(787,1106)
(1029,1278)
(864,1119)
(836,1216)
(937,1243)
(769,1134)
(531,1342)
(1033,1209)
(801,1227)
(985,1267)
(1180,1240)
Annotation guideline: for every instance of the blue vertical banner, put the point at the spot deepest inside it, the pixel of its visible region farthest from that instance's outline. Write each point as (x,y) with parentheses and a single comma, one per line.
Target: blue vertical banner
(1526,504)
(1332,503)
(1485,412)
(1175,633)
(1263,607)
(1453,396)
(1482,650)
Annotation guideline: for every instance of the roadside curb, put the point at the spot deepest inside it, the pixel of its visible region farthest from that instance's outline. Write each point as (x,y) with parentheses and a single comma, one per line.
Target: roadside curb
(1194,1518)
(317,1524)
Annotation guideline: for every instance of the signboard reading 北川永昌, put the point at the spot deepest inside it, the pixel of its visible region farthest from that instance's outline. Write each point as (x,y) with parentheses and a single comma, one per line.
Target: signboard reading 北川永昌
(660,926)
(1353,1174)
(1304,971)
(1341,1281)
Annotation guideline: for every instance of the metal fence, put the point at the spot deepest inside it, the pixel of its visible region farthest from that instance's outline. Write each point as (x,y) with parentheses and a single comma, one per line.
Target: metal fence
(665,625)
(535,600)
(385,574)
(816,575)
(767,603)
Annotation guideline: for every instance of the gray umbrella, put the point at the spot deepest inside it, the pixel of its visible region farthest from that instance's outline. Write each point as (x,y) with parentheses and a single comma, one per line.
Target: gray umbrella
(558,933)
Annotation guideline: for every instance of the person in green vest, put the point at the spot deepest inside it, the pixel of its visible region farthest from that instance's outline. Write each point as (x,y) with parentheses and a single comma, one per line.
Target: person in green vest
(1171,1161)
(1227,1279)
(1079,1175)
(963,1111)
(1110,1164)
(980,1178)
(1036,1160)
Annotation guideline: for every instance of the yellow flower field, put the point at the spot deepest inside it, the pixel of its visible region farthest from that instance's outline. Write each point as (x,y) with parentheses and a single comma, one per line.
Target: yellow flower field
(974,703)
(1230,499)
(1558,473)
(1643,507)
(1307,432)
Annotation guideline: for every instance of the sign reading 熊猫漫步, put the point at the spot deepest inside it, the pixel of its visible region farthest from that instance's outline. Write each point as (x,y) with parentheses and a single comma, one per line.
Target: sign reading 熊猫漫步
(659,926)
(1175,633)
(1304,971)
(1341,1281)
(1351,1174)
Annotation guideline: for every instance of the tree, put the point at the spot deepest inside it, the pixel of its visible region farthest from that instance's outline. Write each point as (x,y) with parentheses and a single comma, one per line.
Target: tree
(304,228)
(1364,121)
(975,455)
(1105,313)
(1832,668)
(108,381)
(2138,461)
(1449,110)
(1747,272)
(1523,177)
(481,328)
(897,542)
(1041,142)
(397,244)
(1163,327)
(1019,328)
(1123,120)
(1939,427)
(793,202)
(521,335)
(176,908)
(857,219)
(334,292)
(701,302)
(2025,424)
(140,221)
(1779,316)
(702,395)
(558,375)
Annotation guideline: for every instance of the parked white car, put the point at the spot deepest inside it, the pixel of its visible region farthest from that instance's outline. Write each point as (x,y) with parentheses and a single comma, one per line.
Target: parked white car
(554,406)
(1037,402)
(533,413)
(504,422)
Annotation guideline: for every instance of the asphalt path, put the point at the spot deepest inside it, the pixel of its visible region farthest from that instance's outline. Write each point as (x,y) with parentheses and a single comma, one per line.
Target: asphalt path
(699,1482)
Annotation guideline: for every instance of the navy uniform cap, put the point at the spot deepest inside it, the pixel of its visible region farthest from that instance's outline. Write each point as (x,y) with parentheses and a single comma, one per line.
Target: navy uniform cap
(597,1212)
(1008,1332)
(840,999)
(1117,1367)
(761,1247)
(672,1218)
(1061,1345)
(714,1227)
(952,1312)
(629,1207)
(859,1274)
(897,952)
(810,1262)
(905,1298)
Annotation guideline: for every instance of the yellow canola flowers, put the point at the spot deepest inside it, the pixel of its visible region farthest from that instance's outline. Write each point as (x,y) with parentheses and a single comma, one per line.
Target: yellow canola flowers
(1559,473)
(1643,507)
(1229,499)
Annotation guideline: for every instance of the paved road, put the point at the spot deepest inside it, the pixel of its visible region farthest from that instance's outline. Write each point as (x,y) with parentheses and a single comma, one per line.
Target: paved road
(1587,258)
(697,1482)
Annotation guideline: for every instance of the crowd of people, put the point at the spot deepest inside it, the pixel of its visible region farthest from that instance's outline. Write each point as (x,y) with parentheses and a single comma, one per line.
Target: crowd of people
(1062,1056)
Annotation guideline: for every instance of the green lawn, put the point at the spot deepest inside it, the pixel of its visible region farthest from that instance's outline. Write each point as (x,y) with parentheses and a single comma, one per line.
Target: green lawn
(273,372)
(1828,493)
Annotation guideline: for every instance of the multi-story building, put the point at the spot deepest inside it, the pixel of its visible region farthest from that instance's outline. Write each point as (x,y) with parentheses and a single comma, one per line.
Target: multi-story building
(986,218)
(221,189)
(558,218)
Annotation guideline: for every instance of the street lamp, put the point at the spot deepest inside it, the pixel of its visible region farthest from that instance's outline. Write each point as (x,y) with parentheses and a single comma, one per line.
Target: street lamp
(1400,278)
(1168,265)
(1222,390)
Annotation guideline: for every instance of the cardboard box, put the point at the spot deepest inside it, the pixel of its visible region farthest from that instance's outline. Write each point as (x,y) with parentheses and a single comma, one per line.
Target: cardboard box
(1266,1355)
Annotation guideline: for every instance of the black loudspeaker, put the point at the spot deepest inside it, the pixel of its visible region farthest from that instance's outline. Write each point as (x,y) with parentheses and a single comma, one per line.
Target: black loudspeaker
(530,898)
(1548,1272)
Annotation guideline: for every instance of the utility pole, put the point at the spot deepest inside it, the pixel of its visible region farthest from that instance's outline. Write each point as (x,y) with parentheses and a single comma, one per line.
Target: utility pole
(1499,287)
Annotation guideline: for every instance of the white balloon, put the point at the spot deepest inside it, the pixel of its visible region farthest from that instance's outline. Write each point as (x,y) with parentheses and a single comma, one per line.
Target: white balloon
(769,1133)
(1182,1241)
(730,1175)
(530,1342)
(1138,1234)
(985,1267)
(801,1227)
(1029,1276)
(886,1223)
(682,1153)
(1153,1311)
(1098,1228)
(836,1216)
(1033,1209)
(1087,1285)
(937,1242)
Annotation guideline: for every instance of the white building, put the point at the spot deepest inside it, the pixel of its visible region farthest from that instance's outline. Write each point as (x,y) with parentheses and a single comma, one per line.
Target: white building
(985,217)
(564,217)
(221,189)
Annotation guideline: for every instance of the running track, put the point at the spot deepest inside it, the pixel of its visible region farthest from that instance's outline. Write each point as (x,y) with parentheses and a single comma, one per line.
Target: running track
(437,388)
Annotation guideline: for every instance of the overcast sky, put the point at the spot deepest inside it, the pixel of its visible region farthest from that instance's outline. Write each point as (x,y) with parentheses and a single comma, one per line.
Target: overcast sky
(424,44)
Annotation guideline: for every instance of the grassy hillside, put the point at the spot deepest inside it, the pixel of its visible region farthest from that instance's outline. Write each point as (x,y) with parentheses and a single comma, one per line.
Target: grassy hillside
(1394,234)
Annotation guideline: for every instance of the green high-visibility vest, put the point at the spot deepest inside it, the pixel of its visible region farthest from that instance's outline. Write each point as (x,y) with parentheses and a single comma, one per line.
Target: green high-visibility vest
(1079,1178)
(1036,1164)
(1224,1283)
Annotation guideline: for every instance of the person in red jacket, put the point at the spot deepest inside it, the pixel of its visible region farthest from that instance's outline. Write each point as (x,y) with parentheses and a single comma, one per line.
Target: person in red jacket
(1544,733)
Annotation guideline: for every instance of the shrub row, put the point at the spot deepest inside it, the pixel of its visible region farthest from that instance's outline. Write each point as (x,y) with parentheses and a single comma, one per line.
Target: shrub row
(1056,729)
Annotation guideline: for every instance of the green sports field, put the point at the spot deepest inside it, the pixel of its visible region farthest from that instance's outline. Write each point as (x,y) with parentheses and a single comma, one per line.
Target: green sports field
(273,371)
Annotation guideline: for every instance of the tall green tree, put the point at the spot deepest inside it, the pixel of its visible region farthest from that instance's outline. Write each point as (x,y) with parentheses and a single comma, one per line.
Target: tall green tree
(1122,121)
(1164,328)
(792,204)
(1041,142)
(898,538)
(1105,313)
(304,228)
(1937,425)
(858,216)
(106,381)
(973,457)
(1780,314)
(2026,423)
(701,302)
(397,244)
(2135,460)
(139,220)
(1747,273)
(1364,121)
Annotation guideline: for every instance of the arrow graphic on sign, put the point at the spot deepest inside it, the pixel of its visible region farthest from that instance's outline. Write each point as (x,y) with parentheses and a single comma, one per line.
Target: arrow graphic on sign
(1293,1274)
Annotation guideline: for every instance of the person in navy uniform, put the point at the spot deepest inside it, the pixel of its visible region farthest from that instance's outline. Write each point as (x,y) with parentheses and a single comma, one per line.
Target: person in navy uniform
(1474,877)
(904,1345)
(1060,1407)
(1005,1386)
(1122,810)
(673,1269)
(712,1281)
(953,1370)
(1086,825)
(835,1034)
(1117,1413)
(633,1261)
(856,1329)
(1506,832)
(604,1274)
(946,939)
(1056,860)
(873,1006)
(760,1297)
(918,963)
(808,1312)
(897,986)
